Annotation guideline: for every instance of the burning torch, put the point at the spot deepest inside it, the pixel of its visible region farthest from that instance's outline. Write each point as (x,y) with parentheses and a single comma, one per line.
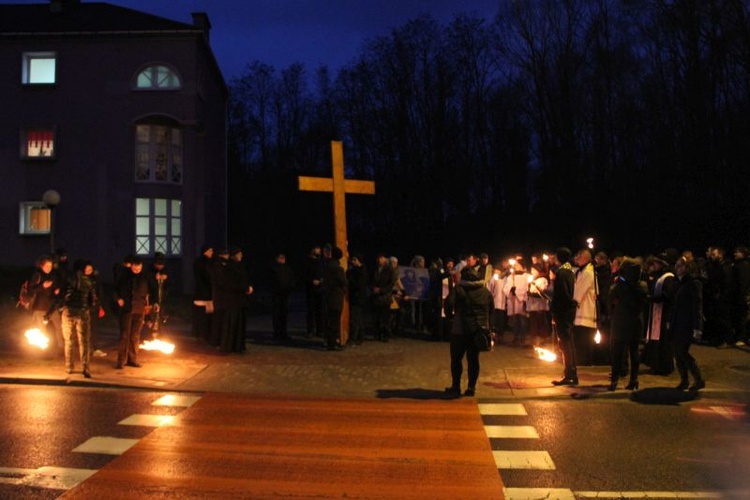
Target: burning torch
(158,344)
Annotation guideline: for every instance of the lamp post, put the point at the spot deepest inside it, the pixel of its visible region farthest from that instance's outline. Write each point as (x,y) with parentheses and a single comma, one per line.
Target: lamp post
(51,199)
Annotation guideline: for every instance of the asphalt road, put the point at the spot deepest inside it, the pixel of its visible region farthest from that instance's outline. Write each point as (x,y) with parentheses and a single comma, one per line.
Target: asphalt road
(619,445)
(42,425)
(596,445)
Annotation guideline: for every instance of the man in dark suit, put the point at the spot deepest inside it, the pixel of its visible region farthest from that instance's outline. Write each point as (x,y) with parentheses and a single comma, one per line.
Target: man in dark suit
(131,295)
(334,291)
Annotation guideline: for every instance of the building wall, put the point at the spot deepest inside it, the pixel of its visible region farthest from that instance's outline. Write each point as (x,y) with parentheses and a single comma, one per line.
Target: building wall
(95,110)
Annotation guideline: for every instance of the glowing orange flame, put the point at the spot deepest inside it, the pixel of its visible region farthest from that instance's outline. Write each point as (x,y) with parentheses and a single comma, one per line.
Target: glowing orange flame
(545,354)
(35,337)
(598,337)
(158,345)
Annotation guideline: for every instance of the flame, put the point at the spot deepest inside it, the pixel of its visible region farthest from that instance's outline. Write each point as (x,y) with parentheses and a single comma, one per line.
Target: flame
(158,345)
(36,338)
(545,354)
(598,337)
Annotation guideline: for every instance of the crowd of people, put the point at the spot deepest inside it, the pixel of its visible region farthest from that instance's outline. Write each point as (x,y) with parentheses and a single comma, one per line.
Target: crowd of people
(650,310)
(66,302)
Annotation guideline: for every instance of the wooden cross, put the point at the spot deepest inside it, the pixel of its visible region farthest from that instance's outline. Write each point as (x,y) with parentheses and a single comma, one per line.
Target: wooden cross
(339,186)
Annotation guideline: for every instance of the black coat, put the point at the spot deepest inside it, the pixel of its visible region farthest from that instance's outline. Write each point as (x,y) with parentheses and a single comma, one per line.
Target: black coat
(334,286)
(473,300)
(133,290)
(229,283)
(626,302)
(563,306)
(686,314)
(44,298)
(283,279)
(357,277)
(79,293)
(202,276)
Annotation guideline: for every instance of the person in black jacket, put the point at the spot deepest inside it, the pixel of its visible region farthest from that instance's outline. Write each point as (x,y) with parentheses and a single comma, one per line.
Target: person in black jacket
(131,295)
(472,313)
(78,298)
(283,284)
(234,289)
(626,301)
(686,323)
(356,276)
(44,290)
(334,291)
(383,283)
(563,308)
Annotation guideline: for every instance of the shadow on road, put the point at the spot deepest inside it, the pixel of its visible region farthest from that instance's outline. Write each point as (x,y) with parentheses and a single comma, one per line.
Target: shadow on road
(415,393)
(663,396)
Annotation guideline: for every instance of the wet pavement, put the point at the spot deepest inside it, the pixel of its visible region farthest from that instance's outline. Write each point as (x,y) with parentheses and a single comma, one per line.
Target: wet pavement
(412,367)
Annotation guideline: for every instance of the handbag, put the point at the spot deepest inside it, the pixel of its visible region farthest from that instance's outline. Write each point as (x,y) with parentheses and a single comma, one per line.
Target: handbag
(484,339)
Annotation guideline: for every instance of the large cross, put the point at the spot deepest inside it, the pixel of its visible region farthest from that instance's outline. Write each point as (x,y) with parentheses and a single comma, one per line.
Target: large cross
(339,186)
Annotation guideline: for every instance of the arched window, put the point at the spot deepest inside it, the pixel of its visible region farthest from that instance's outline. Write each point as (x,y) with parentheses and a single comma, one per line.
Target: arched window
(157,77)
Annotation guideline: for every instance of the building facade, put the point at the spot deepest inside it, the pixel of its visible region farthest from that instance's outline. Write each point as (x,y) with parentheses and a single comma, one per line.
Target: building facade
(119,117)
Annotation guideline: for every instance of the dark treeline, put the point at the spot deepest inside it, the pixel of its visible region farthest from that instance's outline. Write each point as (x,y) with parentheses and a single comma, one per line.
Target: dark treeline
(558,119)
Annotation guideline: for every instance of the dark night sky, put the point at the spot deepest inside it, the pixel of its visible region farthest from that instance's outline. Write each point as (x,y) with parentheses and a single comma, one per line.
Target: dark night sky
(314,32)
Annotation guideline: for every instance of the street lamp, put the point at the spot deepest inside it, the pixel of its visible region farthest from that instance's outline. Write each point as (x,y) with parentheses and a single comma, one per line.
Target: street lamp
(51,199)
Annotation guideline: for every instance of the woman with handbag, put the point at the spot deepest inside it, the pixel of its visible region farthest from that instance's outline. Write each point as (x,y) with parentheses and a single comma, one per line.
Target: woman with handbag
(472,307)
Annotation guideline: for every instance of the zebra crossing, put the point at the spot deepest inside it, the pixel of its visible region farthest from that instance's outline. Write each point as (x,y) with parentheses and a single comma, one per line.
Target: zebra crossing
(540,460)
(65,478)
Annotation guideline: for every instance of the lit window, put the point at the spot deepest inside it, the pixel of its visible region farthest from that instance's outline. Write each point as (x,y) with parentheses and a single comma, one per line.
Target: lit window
(34,218)
(158,226)
(39,68)
(157,78)
(38,143)
(158,153)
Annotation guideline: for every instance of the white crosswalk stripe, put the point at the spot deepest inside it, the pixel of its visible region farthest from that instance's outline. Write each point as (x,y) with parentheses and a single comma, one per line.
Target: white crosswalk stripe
(511,432)
(506,409)
(538,494)
(541,460)
(537,460)
(54,478)
(106,445)
(148,420)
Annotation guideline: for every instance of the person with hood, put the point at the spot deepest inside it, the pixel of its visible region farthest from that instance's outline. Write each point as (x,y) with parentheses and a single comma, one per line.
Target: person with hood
(626,301)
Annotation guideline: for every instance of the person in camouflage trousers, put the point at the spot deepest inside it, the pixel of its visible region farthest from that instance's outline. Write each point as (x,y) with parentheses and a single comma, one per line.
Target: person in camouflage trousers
(78,298)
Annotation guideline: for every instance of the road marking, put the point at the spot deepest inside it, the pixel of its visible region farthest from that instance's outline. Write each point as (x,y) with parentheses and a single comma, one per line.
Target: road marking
(148,420)
(729,412)
(511,431)
(106,445)
(538,460)
(538,494)
(176,400)
(54,478)
(502,409)
(648,494)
